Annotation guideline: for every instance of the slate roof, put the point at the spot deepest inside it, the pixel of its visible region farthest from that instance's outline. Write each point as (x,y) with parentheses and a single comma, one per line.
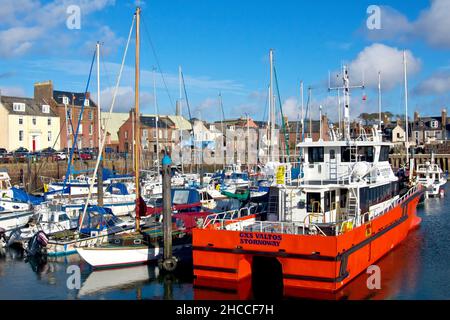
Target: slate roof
(78,101)
(150,121)
(32,107)
(424,123)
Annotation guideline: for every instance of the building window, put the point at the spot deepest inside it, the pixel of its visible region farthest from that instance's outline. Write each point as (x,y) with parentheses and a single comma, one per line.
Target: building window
(145,133)
(91,143)
(49,121)
(126,134)
(34,121)
(91,129)
(49,136)
(80,130)
(20,120)
(20,135)
(91,115)
(19,107)
(45,108)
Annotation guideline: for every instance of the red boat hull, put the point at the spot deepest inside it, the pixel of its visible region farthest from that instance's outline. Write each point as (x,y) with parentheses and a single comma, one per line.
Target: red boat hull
(308,262)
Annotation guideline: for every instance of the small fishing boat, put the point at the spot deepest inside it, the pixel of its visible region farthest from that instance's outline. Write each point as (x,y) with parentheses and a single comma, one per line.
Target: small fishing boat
(50,220)
(431,176)
(98,225)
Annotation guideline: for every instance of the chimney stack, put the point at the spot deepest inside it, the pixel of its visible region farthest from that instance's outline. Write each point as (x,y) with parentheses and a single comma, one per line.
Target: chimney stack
(416,116)
(43,90)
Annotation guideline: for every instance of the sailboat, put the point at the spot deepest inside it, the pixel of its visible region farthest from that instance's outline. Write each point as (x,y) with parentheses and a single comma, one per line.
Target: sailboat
(144,245)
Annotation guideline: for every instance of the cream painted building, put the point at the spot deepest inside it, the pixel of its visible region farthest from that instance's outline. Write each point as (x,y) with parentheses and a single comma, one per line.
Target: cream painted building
(28,123)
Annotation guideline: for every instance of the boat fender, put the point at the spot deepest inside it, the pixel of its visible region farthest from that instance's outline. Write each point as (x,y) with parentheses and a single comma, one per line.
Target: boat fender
(169,264)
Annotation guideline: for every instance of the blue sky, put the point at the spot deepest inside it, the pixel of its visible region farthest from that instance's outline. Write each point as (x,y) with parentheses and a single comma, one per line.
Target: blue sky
(223,47)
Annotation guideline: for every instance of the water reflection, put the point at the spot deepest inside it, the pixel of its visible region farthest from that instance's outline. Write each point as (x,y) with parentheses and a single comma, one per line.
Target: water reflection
(416,269)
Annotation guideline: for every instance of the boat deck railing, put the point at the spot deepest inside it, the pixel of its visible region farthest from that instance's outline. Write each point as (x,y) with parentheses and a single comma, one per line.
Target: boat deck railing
(228,216)
(231,220)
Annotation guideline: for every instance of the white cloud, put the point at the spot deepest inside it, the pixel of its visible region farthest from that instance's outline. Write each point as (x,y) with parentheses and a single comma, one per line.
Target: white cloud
(437,83)
(124,100)
(194,84)
(29,25)
(388,60)
(12,91)
(432,25)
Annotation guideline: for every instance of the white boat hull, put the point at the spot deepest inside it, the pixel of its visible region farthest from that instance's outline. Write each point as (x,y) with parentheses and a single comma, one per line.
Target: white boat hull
(14,220)
(121,256)
(118,257)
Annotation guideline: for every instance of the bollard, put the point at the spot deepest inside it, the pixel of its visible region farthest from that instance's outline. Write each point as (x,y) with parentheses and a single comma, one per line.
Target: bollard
(168,263)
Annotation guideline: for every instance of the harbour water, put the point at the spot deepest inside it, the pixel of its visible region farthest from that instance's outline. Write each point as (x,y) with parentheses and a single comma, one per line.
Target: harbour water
(417,269)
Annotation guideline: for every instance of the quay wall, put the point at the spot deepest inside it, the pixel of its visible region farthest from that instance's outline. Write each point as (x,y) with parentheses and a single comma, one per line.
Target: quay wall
(443,160)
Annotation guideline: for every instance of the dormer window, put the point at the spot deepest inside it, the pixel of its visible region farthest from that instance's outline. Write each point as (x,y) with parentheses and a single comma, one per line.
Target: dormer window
(434,124)
(19,107)
(45,108)
(86,102)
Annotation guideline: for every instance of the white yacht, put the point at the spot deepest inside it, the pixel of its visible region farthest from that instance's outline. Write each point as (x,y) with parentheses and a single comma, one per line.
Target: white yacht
(431,176)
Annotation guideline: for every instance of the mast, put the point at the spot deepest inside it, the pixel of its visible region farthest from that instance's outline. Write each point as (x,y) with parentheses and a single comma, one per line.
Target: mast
(180,113)
(271,108)
(310,113)
(346,104)
(320,123)
(379,98)
(339,112)
(137,130)
(100,171)
(406,107)
(302,121)
(156,119)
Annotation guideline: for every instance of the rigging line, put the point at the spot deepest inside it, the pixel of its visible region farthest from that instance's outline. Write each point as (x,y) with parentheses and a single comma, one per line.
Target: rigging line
(305,117)
(186,96)
(264,118)
(286,140)
(157,62)
(69,163)
(102,146)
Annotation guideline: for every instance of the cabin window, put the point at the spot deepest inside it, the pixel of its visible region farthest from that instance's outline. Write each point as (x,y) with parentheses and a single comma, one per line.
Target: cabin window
(327,201)
(343,198)
(384,153)
(332,155)
(313,201)
(366,154)
(345,154)
(315,154)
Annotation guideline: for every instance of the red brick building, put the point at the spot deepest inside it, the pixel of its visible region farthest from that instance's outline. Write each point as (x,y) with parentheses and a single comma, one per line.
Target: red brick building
(148,134)
(88,131)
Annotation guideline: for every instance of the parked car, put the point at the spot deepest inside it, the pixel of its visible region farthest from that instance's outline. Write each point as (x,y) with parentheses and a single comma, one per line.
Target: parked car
(47,152)
(85,156)
(60,155)
(3,152)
